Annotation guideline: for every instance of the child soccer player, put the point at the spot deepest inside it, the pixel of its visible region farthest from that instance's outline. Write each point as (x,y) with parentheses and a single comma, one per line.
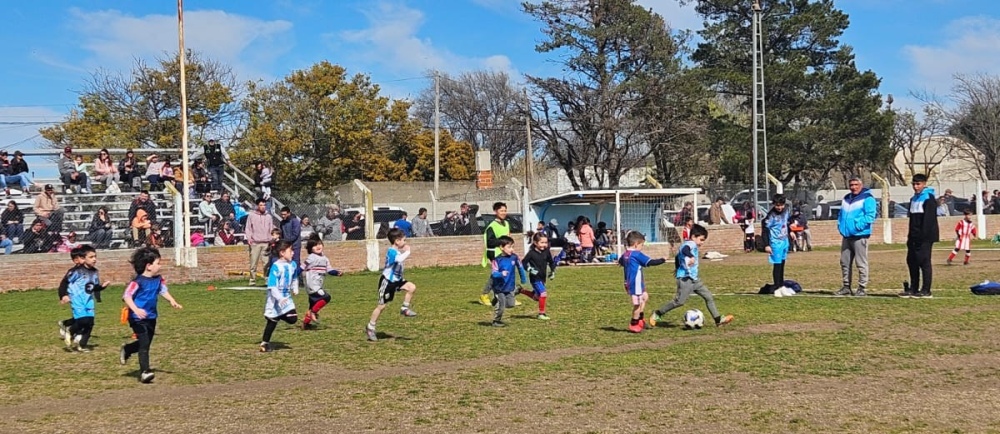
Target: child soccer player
(502,279)
(141,296)
(774,233)
(315,267)
(83,288)
(282,283)
(633,260)
(748,234)
(64,324)
(964,231)
(686,264)
(391,280)
(535,261)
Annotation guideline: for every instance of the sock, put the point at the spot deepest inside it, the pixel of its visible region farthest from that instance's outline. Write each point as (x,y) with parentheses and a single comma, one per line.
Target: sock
(718,319)
(951,256)
(642,315)
(541,303)
(319,305)
(634,321)
(967,257)
(406,306)
(371,325)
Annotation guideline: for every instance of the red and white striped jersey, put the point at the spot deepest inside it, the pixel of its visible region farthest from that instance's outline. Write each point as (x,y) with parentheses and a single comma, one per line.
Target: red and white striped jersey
(965,229)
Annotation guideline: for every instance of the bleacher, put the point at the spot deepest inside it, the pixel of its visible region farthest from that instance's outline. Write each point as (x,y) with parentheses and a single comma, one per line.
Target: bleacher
(79,209)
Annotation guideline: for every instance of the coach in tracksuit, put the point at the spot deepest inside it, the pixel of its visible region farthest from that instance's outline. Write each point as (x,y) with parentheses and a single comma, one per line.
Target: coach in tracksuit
(857,213)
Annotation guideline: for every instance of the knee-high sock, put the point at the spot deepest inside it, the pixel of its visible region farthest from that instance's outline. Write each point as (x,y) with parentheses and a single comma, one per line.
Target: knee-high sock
(268,330)
(541,302)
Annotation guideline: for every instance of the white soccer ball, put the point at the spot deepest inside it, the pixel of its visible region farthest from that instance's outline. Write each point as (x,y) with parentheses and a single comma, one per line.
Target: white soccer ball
(694,319)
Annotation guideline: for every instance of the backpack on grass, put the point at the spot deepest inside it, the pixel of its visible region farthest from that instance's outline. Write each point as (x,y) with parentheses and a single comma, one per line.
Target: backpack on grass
(986,288)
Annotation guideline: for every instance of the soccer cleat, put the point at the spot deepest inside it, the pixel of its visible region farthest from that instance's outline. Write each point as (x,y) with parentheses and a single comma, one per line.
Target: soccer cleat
(407,312)
(635,328)
(146,377)
(485,300)
(62,329)
(949,261)
(860,292)
(252,282)
(726,319)
(844,291)
(922,294)
(543,317)
(123,355)
(655,318)
(82,349)
(265,347)
(68,340)
(498,323)
(370,332)
(552,274)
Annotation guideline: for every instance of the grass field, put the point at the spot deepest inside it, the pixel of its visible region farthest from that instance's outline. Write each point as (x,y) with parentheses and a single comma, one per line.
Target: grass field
(810,363)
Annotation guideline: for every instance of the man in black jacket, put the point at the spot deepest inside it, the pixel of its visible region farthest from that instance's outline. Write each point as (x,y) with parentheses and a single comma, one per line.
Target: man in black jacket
(922,234)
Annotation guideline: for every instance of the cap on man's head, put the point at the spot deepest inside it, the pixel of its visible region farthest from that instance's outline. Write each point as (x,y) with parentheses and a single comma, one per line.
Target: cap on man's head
(49,187)
(68,149)
(554,222)
(211,140)
(3,153)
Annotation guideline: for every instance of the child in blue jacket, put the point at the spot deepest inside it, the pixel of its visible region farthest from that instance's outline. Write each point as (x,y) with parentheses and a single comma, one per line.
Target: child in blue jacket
(503,281)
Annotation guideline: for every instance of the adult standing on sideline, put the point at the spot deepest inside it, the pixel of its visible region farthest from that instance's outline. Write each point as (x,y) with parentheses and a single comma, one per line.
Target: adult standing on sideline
(715,214)
(421,227)
(857,214)
(291,231)
(258,233)
(216,161)
(404,225)
(920,238)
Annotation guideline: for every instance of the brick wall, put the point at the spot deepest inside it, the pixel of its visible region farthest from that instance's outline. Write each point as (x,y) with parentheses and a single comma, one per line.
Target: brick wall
(20,272)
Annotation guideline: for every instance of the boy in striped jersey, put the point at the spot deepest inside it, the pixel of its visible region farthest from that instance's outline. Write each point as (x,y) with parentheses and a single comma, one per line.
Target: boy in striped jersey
(282,284)
(688,281)
(964,231)
(391,280)
(314,269)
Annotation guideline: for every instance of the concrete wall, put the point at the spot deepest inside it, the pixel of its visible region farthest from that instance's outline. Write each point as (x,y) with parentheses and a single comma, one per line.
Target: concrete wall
(20,272)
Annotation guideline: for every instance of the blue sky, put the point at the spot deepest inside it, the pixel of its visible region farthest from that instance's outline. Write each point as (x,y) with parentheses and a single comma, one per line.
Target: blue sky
(51,47)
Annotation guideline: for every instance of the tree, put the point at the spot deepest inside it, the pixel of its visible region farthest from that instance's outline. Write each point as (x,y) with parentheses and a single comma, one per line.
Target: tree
(143,108)
(920,142)
(318,128)
(818,104)
(976,118)
(480,107)
(618,101)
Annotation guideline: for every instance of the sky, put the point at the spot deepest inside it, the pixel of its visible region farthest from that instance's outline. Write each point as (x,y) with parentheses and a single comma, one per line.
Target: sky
(52,47)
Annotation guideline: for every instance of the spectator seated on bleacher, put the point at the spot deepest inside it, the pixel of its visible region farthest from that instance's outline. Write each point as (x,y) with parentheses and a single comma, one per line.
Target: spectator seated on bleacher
(12,221)
(226,235)
(38,239)
(6,244)
(47,209)
(141,221)
(179,180)
(100,229)
(104,168)
(225,208)
(208,215)
(153,170)
(202,179)
(128,171)
(68,243)
(10,174)
(71,177)
(198,239)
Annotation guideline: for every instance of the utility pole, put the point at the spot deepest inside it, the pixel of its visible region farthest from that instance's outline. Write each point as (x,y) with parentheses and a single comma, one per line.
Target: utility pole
(759,118)
(186,212)
(437,133)
(529,155)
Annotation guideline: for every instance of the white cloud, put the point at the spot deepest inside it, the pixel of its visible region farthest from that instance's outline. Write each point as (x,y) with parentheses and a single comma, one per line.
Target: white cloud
(115,39)
(392,43)
(970,45)
(679,17)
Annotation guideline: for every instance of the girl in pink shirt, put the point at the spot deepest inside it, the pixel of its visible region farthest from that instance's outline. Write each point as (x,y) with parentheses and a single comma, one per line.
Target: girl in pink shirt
(587,238)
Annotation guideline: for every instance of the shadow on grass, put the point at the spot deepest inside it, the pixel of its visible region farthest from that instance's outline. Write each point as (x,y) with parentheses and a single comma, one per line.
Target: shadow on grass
(135,373)
(385,336)
(615,329)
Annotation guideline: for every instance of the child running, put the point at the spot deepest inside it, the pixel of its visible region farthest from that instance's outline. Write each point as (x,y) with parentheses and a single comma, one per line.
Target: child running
(315,267)
(688,282)
(502,279)
(391,280)
(282,283)
(535,261)
(964,231)
(774,233)
(633,260)
(141,296)
(83,288)
(64,324)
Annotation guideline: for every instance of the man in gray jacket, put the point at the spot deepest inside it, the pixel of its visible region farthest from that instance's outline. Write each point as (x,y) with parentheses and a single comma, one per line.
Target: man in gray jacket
(331,226)
(421,227)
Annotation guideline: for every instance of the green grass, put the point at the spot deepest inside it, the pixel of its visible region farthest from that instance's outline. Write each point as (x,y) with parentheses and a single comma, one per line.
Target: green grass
(214,338)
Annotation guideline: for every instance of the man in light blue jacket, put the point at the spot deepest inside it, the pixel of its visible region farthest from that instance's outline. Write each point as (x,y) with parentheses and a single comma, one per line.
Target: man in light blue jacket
(857,213)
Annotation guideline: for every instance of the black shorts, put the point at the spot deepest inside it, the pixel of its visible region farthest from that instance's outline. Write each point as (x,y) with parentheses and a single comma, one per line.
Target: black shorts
(387,290)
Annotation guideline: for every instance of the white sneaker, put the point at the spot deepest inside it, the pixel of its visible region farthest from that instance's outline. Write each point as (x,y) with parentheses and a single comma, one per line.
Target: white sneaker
(68,340)
(146,377)
(76,343)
